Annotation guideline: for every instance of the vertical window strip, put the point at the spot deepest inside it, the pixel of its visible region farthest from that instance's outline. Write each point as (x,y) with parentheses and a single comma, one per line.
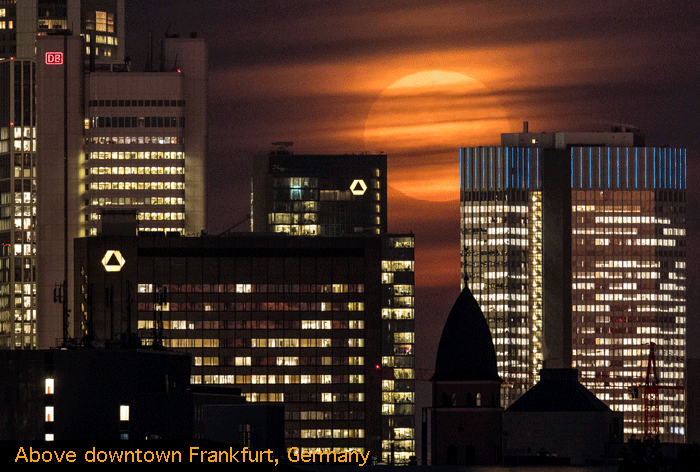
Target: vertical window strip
(528,168)
(572,168)
(507,168)
(461,169)
(499,167)
(491,166)
(645,168)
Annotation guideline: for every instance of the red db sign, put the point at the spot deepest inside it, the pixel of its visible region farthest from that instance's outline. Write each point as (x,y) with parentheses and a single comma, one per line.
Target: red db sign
(54,58)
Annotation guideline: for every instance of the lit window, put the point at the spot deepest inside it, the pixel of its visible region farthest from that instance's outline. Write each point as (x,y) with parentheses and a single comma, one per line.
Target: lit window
(101,20)
(48,437)
(123,412)
(48,414)
(48,387)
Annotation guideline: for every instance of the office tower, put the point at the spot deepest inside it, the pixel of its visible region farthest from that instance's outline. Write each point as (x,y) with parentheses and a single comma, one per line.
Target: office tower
(345,195)
(294,321)
(100,23)
(319,195)
(626,288)
(113,140)
(397,349)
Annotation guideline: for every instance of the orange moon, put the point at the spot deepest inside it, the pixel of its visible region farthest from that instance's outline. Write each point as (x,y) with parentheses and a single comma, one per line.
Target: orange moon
(421,120)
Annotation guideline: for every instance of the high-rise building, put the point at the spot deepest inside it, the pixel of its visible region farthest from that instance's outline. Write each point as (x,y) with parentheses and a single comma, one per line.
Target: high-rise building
(319,195)
(341,196)
(397,349)
(294,321)
(100,24)
(624,207)
(113,139)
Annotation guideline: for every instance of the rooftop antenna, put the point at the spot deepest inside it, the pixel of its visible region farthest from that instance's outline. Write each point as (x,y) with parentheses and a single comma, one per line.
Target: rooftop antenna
(149,59)
(283,147)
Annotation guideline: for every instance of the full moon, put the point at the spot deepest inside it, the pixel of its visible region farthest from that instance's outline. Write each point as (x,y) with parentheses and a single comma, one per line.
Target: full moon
(421,120)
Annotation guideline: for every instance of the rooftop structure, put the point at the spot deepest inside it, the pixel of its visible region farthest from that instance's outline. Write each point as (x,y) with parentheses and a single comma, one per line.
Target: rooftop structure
(319,195)
(465,420)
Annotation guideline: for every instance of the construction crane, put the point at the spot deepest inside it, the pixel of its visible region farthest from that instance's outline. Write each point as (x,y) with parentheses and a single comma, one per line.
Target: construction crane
(651,396)
(649,387)
(228,231)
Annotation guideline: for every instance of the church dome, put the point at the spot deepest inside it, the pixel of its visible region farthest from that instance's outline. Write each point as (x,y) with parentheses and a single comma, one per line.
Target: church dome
(466,351)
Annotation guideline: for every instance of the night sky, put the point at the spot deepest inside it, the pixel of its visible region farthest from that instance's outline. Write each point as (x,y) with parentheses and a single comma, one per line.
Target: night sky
(417,80)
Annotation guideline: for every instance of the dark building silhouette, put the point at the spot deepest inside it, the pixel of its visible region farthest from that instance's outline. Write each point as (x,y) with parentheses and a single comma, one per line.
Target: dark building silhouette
(120,393)
(466,413)
(559,417)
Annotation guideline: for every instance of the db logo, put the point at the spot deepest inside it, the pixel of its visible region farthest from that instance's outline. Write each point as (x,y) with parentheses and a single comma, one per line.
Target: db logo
(54,58)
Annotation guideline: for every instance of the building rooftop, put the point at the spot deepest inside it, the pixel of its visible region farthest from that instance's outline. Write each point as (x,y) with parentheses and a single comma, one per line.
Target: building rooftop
(558,390)
(466,351)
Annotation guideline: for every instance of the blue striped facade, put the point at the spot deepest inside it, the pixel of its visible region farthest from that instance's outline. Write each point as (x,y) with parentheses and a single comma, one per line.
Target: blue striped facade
(592,168)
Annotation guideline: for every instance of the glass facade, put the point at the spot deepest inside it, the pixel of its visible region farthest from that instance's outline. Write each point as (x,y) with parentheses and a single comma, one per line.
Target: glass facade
(18,150)
(17,205)
(317,195)
(501,225)
(397,350)
(99,18)
(8,22)
(628,269)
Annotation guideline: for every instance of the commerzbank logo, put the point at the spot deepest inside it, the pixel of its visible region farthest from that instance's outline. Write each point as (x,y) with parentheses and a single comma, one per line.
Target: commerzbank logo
(113,261)
(358,187)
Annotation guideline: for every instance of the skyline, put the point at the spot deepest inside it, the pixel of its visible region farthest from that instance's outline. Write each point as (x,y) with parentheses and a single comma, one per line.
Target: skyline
(312,73)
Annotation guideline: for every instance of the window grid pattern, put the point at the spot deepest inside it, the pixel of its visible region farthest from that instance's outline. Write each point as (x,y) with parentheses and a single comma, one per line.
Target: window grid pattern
(18,208)
(628,257)
(629,291)
(397,366)
(301,344)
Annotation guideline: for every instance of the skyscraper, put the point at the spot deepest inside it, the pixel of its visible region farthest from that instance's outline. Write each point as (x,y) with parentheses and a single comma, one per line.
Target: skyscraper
(345,196)
(319,195)
(100,24)
(625,206)
(113,139)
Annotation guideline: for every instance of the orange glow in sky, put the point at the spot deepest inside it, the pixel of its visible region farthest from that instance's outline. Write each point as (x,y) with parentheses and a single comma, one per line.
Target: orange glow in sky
(419,80)
(422,120)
